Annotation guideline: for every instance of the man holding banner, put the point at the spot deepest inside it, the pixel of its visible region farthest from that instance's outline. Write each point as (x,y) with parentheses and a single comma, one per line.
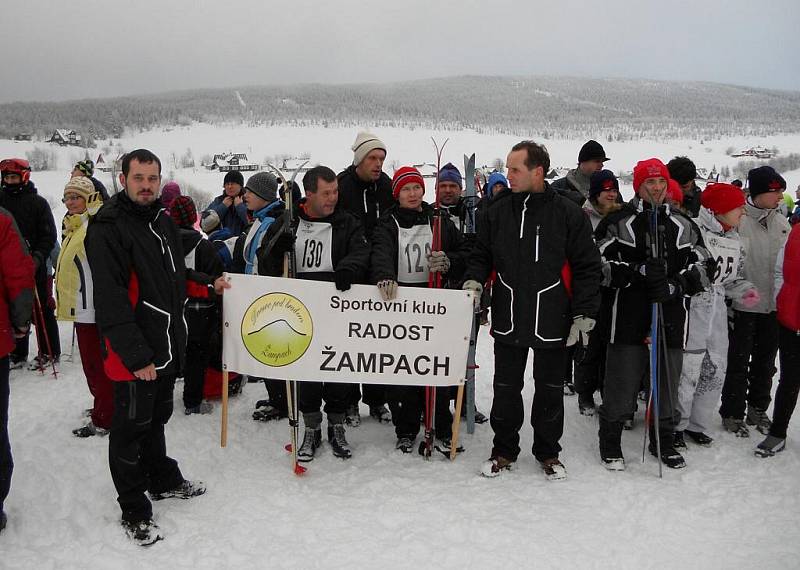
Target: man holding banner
(545,297)
(329,246)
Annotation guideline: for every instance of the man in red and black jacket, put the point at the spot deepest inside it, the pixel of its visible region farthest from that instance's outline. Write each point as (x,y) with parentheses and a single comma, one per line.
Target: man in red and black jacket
(139,275)
(16,302)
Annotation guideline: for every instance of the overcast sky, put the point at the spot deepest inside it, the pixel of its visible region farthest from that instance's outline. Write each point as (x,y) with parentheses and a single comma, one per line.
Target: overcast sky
(54,50)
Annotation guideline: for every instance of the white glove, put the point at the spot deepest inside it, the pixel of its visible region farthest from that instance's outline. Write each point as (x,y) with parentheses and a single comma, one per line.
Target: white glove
(388,289)
(437,261)
(581,327)
(472,285)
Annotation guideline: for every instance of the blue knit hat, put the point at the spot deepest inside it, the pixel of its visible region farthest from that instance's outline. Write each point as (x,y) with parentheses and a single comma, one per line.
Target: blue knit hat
(449,173)
(495,178)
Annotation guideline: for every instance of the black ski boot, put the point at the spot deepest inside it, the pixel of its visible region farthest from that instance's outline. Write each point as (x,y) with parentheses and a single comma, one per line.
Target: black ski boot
(338,442)
(312,438)
(610,436)
(669,455)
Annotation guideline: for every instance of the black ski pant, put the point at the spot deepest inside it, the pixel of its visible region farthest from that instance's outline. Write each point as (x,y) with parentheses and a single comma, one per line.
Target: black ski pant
(374,395)
(311,394)
(6,461)
(137,450)
(43,291)
(547,410)
(199,322)
(626,364)
(407,404)
(789,382)
(590,366)
(752,347)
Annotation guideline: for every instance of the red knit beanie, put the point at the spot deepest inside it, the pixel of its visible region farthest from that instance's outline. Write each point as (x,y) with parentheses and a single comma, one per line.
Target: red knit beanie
(183,212)
(674,191)
(650,168)
(405,175)
(721,198)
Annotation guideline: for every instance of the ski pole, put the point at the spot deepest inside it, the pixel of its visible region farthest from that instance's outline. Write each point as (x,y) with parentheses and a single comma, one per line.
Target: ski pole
(456,423)
(43,328)
(223,442)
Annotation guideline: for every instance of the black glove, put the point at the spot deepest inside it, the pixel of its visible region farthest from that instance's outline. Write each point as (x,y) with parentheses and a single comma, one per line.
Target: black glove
(284,243)
(655,277)
(343,279)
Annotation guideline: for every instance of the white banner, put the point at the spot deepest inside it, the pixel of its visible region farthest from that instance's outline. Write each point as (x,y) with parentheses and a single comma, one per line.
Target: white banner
(297,329)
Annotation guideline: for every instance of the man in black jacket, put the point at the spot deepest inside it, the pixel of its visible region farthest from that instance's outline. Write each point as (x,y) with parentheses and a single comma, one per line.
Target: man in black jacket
(575,185)
(683,171)
(545,297)
(640,280)
(138,269)
(35,221)
(366,191)
(329,245)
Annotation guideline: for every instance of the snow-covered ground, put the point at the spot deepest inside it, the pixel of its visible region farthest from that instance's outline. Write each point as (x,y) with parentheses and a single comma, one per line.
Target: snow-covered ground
(728,509)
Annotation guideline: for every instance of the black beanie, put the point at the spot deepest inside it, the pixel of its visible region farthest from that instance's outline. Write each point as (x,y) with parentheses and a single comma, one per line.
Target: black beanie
(233,176)
(592,150)
(600,181)
(764,179)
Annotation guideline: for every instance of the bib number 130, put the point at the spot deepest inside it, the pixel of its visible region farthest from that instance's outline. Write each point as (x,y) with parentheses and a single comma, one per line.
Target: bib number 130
(312,254)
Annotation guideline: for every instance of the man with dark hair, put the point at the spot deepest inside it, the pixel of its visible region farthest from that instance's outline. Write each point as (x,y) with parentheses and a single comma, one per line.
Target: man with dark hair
(139,278)
(35,222)
(683,171)
(575,185)
(366,191)
(329,245)
(16,303)
(545,297)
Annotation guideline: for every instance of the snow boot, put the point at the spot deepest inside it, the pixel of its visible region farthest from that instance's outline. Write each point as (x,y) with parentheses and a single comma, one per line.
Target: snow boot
(201,408)
(338,442)
(352,417)
(89,430)
(569,389)
(312,438)
(586,405)
(758,418)
(627,424)
(553,469)
(699,438)
(186,490)
(15,363)
(42,362)
(445,444)
(496,465)
(381,413)
(3,520)
(266,412)
(405,444)
(736,427)
(678,442)
(669,455)
(143,533)
(479,417)
(610,436)
(770,446)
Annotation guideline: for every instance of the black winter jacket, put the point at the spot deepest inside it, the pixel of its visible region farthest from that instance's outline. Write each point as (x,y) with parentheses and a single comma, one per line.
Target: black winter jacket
(536,241)
(367,200)
(384,259)
(34,219)
(203,265)
(350,249)
(624,243)
(140,287)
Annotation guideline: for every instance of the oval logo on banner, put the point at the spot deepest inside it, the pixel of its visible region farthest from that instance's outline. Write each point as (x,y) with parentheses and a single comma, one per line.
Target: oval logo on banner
(277,329)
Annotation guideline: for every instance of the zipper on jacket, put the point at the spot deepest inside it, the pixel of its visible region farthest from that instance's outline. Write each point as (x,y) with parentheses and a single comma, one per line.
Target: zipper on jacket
(536,257)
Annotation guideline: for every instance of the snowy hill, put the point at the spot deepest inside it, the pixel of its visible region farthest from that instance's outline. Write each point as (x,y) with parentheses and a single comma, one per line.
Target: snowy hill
(549,107)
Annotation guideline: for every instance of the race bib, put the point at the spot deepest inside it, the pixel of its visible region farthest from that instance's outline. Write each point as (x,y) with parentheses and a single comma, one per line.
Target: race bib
(313,246)
(726,253)
(414,246)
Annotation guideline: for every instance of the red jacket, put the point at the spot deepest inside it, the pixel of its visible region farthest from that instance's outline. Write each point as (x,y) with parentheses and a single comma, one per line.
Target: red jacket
(789,293)
(16,282)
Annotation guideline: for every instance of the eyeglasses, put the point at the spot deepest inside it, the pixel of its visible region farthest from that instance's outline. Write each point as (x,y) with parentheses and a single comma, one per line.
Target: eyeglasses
(69,197)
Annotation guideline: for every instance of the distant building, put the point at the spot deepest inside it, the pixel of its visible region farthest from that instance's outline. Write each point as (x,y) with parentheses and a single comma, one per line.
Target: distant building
(299,164)
(65,137)
(227,162)
(755,152)
(23,137)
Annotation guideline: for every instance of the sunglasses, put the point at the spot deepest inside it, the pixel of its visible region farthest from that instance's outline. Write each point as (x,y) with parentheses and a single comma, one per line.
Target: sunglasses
(70,197)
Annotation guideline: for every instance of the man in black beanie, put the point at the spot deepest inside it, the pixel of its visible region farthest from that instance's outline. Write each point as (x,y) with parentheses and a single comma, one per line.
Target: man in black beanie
(683,171)
(575,185)
(227,211)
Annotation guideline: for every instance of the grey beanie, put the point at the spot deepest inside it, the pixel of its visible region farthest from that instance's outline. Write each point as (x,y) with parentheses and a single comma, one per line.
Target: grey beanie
(264,185)
(365,143)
